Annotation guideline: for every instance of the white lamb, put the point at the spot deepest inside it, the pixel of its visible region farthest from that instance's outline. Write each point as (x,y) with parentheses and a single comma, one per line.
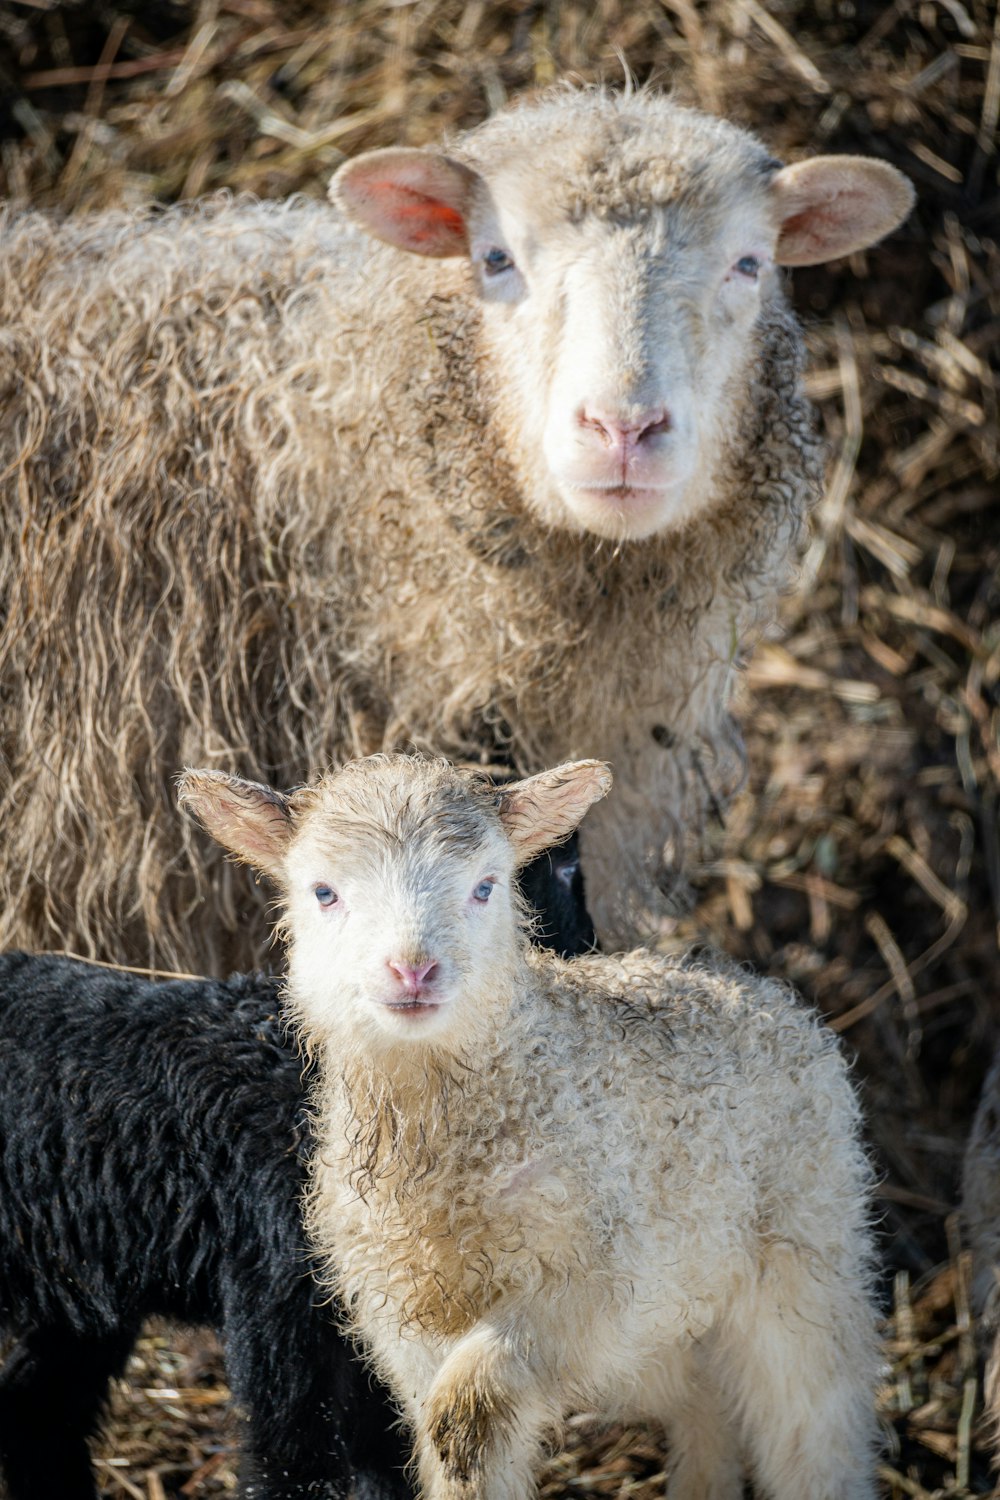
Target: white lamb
(630,1183)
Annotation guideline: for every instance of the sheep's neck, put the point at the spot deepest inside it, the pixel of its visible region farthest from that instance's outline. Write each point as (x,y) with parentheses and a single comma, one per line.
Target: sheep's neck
(418,1147)
(398,1117)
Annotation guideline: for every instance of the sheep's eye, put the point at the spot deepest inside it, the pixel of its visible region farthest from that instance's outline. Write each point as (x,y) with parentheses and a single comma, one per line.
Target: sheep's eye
(326,895)
(748,266)
(496,261)
(483,890)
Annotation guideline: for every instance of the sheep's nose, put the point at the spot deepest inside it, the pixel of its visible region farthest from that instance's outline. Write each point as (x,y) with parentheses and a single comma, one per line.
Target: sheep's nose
(625,433)
(414,977)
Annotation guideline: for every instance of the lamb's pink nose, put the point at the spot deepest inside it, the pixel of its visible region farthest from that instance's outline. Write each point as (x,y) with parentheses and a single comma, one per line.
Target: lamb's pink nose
(414,977)
(622,434)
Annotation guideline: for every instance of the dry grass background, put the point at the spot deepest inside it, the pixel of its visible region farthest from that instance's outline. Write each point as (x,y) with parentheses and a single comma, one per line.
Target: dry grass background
(863,861)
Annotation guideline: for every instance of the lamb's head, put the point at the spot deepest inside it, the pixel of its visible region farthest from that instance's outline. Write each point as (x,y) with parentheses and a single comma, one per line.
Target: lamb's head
(396,876)
(623,250)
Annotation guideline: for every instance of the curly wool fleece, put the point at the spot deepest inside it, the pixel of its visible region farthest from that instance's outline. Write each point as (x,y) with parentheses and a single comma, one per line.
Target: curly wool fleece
(261,506)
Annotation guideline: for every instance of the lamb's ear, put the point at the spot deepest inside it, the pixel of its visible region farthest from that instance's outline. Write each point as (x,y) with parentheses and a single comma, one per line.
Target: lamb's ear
(545,809)
(831,205)
(415,200)
(252,821)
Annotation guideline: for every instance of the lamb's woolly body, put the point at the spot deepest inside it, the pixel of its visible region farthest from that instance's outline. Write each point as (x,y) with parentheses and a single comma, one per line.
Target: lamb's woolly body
(634,1140)
(154,1156)
(646,1184)
(262,497)
(632,1184)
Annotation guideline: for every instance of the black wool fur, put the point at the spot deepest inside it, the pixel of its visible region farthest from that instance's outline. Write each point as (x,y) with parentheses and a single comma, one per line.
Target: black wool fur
(153,1147)
(552,884)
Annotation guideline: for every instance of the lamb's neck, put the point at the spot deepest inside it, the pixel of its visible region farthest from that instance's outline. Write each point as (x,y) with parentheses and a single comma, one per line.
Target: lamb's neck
(399,1106)
(394,1116)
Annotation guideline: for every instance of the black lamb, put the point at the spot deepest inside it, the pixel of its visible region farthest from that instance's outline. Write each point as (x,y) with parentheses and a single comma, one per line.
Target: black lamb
(552,885)
(153,1148)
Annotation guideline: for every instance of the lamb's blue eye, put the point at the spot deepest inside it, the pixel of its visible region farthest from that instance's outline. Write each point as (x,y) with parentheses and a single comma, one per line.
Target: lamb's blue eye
(748,265)
(482,891)
(496,261)
(326,895)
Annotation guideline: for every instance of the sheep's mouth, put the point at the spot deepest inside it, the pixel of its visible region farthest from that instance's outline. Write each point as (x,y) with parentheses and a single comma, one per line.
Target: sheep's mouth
(627,492)
(626,509)
(624,497)
(412,1006)
(622,490)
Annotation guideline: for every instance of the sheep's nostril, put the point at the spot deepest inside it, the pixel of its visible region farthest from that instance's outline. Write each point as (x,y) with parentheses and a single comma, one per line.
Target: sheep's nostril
(658,422)
(414,977)
(625,432)
(598,424)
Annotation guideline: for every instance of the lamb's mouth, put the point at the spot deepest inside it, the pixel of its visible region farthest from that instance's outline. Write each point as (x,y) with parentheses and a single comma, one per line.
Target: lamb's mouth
(411,1006)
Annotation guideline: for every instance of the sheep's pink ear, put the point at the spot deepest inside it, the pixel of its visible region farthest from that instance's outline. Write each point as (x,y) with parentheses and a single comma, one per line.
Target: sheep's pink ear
(545,809)
(831,205)
(415,200)
(250,820)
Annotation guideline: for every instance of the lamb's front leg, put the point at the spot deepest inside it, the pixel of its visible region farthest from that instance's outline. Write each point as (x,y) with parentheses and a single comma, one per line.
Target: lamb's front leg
(481,1425)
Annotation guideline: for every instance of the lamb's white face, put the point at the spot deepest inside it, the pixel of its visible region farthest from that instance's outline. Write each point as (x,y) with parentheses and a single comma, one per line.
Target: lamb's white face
(622,250)
(398,883)
(399,927)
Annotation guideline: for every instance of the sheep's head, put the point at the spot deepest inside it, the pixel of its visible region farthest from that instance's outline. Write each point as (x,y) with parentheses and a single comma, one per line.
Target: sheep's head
(623,250)
(397,881)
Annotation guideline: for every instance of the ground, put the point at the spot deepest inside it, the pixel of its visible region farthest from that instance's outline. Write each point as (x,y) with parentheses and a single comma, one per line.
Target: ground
(863,860)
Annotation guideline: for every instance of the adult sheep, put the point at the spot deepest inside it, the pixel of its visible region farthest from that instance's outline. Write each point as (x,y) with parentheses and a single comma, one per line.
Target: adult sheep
(524,480)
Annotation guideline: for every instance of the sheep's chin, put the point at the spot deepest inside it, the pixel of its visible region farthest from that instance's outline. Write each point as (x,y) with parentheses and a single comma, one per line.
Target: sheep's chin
(422,1018)
(629,514)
